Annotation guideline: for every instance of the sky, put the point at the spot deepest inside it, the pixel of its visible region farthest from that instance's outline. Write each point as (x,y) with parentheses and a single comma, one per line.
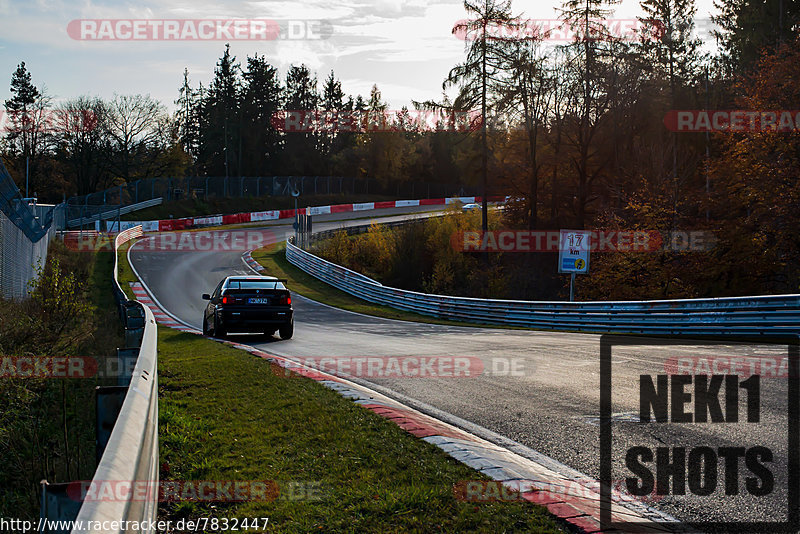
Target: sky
(404,46)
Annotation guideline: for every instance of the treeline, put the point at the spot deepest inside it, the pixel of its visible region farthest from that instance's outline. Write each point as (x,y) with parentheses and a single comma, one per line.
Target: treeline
(229,129)
(88,144)
(582,140)
(424,256)
(85,144)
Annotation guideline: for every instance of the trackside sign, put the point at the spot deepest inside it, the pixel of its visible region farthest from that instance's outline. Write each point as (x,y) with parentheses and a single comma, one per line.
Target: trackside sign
(573,251)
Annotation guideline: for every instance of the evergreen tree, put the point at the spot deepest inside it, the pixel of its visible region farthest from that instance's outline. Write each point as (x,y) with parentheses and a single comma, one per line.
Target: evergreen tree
(747,27)
(262,98)
(221,124)
(28,129)
(331,140)
(188,118)
(668,45)
(590,45)
(481,71)
(302,148)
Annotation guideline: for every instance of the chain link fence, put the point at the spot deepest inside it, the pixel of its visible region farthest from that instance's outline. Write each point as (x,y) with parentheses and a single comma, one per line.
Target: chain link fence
(204,188)
(25,232)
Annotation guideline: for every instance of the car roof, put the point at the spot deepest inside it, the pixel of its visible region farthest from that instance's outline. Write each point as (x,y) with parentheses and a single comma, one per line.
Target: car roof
(241,278)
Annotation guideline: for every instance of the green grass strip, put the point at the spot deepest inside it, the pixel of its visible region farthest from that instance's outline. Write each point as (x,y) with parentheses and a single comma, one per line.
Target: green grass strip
(228,415)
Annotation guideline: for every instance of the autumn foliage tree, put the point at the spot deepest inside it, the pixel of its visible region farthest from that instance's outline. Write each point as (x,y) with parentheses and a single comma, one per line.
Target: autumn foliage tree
(756,188)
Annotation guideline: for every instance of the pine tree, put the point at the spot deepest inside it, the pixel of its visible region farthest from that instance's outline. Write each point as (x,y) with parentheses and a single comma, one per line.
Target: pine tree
(221,125)
(332,141)
(28,134)
(481,70)
(23,91)
(747,27)
(262,98)
(672,54)
(302,148)
(187,116)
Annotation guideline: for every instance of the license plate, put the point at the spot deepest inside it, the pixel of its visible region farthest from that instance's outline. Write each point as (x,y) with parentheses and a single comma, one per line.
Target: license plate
(258,301)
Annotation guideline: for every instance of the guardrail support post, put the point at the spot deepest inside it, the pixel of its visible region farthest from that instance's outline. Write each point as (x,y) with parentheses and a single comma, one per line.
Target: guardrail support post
(59,504)
(126,361)
(109,401)
(133,337)
(572,287)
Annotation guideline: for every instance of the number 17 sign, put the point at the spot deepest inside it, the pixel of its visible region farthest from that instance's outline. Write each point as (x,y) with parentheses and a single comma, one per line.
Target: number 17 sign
(573,251)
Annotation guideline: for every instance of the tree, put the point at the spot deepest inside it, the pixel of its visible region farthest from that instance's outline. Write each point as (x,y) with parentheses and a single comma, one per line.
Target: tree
(332,141)
(29,125)
(667,44)
(220,124)
(332,94)
(747,27)
(527,97)
(302,148)
(591,102)
(757,192)
(187,116)
(133,123)
(262,97)
(671,52)
(382,152)
(481,70)
(82,145)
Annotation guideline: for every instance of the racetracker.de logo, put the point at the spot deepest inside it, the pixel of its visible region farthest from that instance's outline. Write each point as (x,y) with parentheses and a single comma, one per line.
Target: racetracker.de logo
(732,121)
(598,241)
(181,241)
(307,121)
(194,490)
(198,29)
(48,121)
(492,491)
(720,366)
(406,366)
(557,30)
(48,367)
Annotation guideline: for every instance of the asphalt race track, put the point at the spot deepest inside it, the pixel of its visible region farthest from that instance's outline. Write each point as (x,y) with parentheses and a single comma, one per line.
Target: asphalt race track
(540,389)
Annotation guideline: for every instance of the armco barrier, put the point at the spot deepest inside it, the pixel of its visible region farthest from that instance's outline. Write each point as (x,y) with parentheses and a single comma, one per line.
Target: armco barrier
(90,214)
(132,450)
(760,315)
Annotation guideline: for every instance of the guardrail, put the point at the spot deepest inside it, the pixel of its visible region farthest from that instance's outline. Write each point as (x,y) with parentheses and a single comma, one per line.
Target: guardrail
(758,315)
(115,212)
(130,457)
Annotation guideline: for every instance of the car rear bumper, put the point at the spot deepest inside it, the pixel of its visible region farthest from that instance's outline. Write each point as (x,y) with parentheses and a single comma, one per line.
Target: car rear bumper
(232,319)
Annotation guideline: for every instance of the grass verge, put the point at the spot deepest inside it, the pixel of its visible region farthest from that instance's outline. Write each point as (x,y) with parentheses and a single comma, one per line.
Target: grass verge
(47,421)
(274,261)
(125,273)
(226,415)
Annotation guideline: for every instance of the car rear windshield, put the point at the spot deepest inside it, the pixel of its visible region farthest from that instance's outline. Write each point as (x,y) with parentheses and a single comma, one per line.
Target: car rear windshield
(255,284)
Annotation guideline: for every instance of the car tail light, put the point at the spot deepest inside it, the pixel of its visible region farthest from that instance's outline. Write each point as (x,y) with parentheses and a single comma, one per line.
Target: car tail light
(286,301)
(227,300)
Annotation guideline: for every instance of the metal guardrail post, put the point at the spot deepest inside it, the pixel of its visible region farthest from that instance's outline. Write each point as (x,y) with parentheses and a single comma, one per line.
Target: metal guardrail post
(108,403)
(126,361)
(59,504)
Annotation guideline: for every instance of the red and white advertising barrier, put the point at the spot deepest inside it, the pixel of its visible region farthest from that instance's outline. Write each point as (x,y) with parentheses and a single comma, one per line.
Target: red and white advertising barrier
(166,225)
